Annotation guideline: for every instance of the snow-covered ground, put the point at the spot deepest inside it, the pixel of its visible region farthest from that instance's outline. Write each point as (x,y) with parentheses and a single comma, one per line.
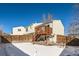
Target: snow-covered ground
(26,49)
(10,50)
(70,51)
(39,50)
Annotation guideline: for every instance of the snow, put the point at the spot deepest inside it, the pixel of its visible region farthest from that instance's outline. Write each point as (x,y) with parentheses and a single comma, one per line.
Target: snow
(26,49)
(10,50)
(14,51)
(39,50)
(70,51)
(2,51)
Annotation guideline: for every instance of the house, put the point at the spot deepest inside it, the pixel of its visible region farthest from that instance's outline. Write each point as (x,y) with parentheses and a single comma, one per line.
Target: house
(50,30)
(18,30)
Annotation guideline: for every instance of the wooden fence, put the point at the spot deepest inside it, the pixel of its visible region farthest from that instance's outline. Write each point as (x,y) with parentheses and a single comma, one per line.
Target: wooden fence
(16,38)
(64,39)
(29,38)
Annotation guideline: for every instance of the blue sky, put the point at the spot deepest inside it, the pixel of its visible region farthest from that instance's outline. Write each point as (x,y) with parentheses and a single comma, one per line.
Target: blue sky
(24,14)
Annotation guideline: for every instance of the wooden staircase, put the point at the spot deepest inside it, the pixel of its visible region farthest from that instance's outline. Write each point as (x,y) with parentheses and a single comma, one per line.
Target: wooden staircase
(40,31)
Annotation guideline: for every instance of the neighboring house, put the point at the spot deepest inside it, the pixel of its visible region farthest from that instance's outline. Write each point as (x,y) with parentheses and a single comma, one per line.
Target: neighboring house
(18,30)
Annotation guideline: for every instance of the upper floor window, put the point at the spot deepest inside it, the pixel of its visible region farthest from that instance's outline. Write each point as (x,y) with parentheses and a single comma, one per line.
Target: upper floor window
(19,29)
(48,26)
(26,29)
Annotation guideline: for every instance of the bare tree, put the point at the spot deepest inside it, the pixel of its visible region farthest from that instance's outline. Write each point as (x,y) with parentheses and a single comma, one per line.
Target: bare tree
(74,25)
(47,20)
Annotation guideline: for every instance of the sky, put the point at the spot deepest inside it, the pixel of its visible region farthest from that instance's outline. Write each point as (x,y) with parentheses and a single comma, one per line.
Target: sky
(12,15)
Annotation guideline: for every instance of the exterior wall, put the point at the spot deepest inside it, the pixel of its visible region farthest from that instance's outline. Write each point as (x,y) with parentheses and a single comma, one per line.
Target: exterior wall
(58,28)
(30,30)
(16,32)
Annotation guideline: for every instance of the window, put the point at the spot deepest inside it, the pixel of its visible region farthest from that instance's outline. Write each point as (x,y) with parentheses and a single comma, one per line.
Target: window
(48,26)
(19,29)
(26,29)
